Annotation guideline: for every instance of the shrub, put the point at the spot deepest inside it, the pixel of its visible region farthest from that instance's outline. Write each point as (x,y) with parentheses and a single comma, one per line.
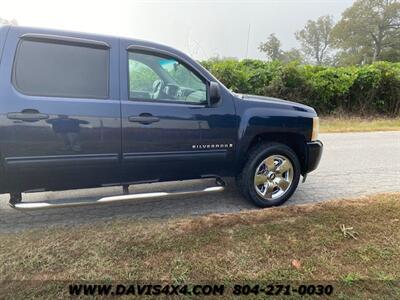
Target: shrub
(365,90)
(290,83)
(330,88)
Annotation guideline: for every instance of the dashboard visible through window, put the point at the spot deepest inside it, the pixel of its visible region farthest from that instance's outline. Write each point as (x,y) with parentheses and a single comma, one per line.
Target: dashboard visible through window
(153,77)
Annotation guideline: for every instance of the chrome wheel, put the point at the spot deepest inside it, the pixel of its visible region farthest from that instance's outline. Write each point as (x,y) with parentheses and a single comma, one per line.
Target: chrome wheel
(273,177)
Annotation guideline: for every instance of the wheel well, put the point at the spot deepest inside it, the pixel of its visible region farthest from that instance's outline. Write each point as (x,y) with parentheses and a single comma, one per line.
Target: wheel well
(294,141)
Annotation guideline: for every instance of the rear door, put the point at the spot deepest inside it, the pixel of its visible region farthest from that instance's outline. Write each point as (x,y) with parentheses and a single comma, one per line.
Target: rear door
(60,110)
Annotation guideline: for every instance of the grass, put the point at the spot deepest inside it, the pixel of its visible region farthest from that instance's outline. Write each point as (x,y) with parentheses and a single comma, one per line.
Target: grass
(255,246)
(356,124)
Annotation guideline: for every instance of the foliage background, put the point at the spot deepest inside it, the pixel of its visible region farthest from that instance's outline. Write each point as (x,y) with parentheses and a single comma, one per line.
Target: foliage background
(356,90)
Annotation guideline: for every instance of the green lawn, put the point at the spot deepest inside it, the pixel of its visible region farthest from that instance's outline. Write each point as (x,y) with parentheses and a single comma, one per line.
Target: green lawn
(353,124)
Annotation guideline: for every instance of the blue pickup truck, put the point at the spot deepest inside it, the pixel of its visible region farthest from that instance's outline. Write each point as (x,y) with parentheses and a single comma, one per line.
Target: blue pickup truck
(81,110)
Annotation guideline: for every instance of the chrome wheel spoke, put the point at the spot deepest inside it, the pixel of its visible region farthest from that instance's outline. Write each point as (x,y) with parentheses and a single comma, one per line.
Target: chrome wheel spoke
(269,188)
(282,183)
(260,179)
(270,163)
(284,167)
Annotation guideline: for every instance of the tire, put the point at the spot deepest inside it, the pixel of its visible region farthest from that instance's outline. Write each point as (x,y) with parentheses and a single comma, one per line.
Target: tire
(278,166)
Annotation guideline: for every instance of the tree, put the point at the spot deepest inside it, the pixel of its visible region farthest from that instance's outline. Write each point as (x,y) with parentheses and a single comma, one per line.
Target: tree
(272,47)
(369,30)
(292,55)
(315,38)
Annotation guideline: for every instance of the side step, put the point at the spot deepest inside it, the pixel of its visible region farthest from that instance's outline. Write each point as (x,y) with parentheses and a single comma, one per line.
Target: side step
(111,199)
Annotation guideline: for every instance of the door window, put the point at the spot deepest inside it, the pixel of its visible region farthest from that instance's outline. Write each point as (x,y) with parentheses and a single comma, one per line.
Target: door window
(142,79)
(158,78)
(61,70)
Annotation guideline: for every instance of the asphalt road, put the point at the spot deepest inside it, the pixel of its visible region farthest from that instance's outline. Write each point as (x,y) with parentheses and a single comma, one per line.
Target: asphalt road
(353,164)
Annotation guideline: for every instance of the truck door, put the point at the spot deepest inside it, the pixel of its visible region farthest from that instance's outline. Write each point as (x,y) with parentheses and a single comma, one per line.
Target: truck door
(60,110)
(165,115)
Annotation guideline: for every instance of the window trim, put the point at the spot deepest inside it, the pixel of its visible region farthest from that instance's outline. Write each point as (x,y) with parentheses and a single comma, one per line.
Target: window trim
(166,54)
(68,40)
(61,40)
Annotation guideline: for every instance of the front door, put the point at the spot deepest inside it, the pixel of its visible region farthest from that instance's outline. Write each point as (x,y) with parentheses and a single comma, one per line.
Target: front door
(159,118)
(60,115)
(169,130)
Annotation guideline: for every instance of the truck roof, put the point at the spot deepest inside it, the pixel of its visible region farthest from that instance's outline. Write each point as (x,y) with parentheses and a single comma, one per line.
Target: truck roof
(93,36)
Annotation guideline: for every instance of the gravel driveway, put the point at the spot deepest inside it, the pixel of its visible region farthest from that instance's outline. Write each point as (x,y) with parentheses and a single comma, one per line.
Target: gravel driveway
(353,164)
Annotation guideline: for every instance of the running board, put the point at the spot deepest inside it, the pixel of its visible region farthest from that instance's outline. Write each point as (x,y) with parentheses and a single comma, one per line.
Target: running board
(110,199)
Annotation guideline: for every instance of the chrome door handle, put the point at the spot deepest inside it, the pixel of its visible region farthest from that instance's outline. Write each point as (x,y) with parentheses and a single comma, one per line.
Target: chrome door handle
(144,119)
(27,115)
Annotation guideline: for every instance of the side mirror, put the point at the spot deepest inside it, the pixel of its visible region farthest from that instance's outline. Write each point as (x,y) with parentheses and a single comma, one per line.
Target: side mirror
(215,95)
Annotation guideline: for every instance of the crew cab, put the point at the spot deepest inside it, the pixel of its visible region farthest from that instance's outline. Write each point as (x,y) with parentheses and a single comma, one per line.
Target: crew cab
(82,110)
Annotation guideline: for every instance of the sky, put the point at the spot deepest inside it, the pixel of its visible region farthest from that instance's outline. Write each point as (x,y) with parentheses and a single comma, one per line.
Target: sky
(203,29)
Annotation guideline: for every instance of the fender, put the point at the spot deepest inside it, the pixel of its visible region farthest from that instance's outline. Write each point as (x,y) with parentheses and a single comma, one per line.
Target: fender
(272,121)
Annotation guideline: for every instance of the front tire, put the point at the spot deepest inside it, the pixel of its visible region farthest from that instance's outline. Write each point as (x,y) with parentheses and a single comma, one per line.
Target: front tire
(271,175)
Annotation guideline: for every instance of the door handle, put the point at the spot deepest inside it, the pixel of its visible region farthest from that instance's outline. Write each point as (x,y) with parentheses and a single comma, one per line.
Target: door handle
(27,115)
(144,119)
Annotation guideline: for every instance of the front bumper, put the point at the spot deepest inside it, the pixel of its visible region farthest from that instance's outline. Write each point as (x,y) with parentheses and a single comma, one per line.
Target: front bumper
(314,153)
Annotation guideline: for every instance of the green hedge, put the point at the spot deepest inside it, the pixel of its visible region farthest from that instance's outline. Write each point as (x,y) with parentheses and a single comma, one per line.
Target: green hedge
(365,90)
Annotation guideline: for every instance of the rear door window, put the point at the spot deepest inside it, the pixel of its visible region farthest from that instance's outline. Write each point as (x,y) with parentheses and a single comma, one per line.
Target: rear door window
(58,69)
